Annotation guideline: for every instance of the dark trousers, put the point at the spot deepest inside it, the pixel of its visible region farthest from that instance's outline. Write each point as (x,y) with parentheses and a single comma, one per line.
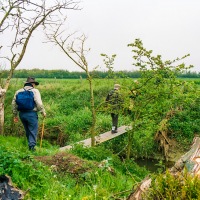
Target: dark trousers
(30,123)
(114,120)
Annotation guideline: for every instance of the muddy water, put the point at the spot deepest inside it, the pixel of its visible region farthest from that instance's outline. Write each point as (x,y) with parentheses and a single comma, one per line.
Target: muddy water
(154,165)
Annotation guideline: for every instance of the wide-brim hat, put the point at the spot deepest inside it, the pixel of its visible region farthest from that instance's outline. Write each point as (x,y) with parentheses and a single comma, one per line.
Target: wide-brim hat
(31,80)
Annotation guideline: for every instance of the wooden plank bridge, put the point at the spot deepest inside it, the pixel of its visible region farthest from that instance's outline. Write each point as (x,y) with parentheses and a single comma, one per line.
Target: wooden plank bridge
(100,138)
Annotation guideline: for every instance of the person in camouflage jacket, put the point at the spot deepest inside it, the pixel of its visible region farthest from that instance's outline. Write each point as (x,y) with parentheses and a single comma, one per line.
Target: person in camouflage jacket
(114,104)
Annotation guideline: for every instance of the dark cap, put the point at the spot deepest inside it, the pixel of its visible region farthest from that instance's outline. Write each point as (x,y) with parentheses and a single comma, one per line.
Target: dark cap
(31,80)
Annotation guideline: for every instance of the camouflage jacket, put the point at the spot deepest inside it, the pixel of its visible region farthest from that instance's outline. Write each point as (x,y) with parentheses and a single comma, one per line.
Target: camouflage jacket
(114,101)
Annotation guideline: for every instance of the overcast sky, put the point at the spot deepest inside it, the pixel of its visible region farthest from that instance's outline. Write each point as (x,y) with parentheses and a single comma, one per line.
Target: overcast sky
(170,28)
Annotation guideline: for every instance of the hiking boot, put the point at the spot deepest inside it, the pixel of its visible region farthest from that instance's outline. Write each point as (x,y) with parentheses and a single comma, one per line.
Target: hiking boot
(32,148)
(114,131)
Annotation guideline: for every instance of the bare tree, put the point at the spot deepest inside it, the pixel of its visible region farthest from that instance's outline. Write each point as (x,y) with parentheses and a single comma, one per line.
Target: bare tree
(20,19)
(74,48)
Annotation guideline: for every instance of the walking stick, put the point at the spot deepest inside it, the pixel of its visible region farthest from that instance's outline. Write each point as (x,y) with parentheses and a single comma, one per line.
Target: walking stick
(42,133)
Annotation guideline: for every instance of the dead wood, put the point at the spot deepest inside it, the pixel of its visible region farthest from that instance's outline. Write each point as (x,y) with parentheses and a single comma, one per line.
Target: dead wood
(7,191)
(190,160)
(162,135)
(140,190)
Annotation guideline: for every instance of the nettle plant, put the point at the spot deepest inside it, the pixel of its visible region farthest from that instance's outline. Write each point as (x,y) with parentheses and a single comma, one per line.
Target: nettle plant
(152,97)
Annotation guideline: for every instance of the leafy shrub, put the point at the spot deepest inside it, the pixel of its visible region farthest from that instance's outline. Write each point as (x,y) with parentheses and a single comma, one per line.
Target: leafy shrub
(185,124)
(179,186)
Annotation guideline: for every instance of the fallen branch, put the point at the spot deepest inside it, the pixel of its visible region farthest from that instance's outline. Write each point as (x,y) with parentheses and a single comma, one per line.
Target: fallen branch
(190,160)
(141,189)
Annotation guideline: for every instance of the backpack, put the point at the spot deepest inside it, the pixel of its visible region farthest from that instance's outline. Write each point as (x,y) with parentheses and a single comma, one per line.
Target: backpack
(114,102)
(25,100)
(113,97)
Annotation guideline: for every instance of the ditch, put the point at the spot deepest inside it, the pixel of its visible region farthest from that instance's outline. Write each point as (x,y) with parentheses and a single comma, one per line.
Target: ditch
(154,165)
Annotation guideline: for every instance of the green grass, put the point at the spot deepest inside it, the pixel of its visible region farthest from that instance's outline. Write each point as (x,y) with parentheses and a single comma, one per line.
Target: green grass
(43,183)
(68,120)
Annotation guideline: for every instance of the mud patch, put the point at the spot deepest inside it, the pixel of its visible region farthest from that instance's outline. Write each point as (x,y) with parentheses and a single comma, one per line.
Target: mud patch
(67,163)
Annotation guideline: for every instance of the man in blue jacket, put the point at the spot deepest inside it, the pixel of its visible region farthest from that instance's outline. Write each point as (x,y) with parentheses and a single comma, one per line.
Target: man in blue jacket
(21,104)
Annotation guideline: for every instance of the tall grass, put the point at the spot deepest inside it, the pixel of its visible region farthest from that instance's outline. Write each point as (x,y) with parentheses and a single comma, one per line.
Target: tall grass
(69,117)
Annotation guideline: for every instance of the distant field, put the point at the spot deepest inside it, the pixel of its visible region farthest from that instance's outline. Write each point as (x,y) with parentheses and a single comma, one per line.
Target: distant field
(190,79)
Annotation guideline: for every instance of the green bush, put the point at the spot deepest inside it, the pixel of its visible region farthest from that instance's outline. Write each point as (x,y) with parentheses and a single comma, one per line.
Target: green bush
(179,186)
(185,124)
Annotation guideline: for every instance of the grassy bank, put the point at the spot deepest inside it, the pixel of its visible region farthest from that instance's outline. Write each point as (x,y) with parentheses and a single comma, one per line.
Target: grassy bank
(77,179)
(98,169)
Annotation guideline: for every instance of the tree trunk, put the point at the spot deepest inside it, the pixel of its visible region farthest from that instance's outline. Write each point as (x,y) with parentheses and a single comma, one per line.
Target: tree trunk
(140,190)
(2,98)
(93,112)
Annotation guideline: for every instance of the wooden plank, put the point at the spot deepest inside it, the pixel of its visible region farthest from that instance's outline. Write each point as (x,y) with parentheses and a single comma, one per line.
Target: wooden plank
(100,138)
(108,135)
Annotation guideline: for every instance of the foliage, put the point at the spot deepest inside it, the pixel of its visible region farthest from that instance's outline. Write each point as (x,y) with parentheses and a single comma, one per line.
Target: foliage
(43,182)
(108,159)
(109,63)
(93,153)
(65,74)
(185,124)
(156,93)
(179,186)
